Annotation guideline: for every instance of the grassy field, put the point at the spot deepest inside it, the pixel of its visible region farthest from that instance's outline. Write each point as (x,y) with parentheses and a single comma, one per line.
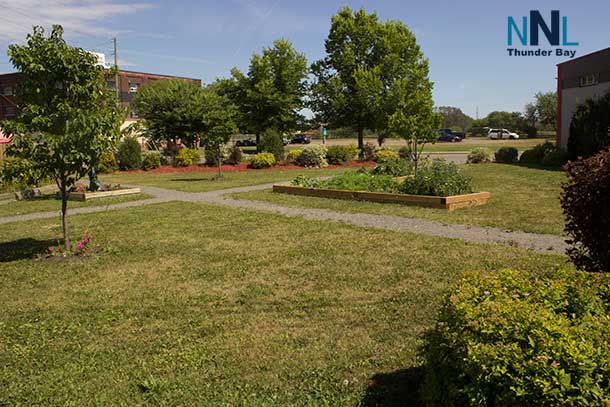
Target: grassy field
(522,199)
(206,181)
(50,203)
(191,304)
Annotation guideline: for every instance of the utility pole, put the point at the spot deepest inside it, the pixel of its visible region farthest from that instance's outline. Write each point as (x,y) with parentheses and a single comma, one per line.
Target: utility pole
(477,112)
(116,75)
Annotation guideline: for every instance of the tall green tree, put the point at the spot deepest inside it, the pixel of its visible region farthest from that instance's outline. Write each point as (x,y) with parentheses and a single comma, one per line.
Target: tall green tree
(454,118)
(546,107)
(167,109)
(68,115)
(367,64)
(270,94)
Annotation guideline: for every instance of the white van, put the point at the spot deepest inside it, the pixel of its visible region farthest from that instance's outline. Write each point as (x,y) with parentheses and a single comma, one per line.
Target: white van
(498,134)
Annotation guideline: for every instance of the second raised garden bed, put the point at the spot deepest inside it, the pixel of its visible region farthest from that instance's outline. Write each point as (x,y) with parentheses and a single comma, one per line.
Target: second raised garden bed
(449,203)
(85,196)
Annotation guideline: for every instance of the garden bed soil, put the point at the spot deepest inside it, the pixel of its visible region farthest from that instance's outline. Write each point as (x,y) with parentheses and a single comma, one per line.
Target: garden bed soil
(449,203)
(85,196)
(165,169)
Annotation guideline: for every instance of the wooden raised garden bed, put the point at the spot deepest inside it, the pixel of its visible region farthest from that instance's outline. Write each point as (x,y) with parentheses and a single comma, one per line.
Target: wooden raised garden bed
(85,196)
(449,203)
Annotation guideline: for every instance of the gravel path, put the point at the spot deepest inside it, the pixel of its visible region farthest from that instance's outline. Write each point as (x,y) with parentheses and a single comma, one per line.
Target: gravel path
(537,242)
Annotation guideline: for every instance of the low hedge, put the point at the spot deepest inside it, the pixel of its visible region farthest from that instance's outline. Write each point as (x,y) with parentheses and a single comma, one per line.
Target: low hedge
(507,155)
(186,157)
(263,160)
(513,339)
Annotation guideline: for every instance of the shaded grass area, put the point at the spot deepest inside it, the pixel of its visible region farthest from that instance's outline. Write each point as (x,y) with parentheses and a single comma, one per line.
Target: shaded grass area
(525,199)
(50,203)
(208,305)
(206,181)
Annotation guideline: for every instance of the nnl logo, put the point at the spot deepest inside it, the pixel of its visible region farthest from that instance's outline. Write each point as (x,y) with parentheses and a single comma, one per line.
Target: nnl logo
(536,24)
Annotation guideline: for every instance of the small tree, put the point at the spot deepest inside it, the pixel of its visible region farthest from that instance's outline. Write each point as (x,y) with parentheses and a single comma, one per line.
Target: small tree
(590,127)
(69,116)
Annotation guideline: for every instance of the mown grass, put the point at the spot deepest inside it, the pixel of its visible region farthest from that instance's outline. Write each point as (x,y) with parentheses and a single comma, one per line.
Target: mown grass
(50,203)
(523,199)
(206,181)
(192,304)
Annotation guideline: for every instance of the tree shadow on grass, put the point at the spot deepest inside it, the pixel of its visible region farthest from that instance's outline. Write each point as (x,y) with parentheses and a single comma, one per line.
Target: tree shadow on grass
(24,249)
(399,388)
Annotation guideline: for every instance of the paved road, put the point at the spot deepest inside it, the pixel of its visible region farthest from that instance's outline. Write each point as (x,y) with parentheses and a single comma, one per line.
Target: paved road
(537,242)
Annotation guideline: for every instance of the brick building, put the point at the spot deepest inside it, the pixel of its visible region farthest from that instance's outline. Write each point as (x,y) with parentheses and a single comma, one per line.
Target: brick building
(129,84)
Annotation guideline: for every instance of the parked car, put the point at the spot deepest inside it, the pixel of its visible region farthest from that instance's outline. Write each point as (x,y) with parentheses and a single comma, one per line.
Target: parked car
(461,135)
(498,134)
(448,135)
(301,139)
(248,142)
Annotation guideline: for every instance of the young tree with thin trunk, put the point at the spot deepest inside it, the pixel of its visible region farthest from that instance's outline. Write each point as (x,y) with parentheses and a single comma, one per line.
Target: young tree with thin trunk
(68,117)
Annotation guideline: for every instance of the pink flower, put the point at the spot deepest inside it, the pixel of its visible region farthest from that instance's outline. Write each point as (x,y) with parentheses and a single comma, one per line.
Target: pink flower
(51,249)
(79,245)
(86,241)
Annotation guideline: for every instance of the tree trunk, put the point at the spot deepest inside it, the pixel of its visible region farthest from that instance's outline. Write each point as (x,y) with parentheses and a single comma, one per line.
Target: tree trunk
(220,176)
(361,141)
(64,216)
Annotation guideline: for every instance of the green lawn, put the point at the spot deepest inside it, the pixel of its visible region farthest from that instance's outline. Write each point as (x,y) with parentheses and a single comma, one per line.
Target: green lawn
(522,199)
(205,305)
(50,203)
(206,181)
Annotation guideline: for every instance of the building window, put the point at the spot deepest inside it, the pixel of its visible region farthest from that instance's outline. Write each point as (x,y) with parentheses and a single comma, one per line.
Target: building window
(589,80)
(6,90)
(133,87)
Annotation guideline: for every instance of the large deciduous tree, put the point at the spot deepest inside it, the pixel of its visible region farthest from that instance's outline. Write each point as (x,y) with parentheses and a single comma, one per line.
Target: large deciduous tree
(367,64)
(68,115)
(270,94)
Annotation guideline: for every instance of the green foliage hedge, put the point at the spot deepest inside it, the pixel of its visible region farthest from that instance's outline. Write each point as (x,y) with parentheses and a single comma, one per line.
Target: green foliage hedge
(20,173)
(235,156)
(151,160)
(383,155)
(186,157)
(512,339)
(339,155)
(507,155)
(586,207)
(590,128)
(211,154)
(263,160)
(272,142)
(107,163)
(438,178)
(293,156)
(352,181)
(312,156)
(479,155)
(129,154)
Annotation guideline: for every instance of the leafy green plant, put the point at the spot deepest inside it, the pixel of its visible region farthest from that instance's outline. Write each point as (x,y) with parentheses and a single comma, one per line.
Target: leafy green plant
(395,168)
(536,154)
(293,156)
(589,128)
(313,156)
(585,206)
(479,155)
(339,155)
(272,142)
(384,155)
(20,173)
(212,152)
(186,157)
(438,178)
(554,159)
(151,160)
(509,338)
(129,154)
(263,160)
(507,155)
(368,151)
(235,156)
(107,163)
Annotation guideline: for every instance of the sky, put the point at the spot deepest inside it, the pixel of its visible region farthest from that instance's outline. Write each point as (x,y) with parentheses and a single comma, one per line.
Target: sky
(464,41)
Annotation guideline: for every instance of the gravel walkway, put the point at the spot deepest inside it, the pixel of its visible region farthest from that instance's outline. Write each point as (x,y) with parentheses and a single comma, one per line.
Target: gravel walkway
(537,242)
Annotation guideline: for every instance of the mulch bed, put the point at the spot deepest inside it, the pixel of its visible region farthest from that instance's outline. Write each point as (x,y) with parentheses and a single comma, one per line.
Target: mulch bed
(166,169)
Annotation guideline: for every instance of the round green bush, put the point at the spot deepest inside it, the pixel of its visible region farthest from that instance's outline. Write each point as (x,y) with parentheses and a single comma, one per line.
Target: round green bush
(512,339)
(293,156)
(263,160)
(536,154)
(151,160)
(129,154)
(383,155)
(479,155)
(507,155)
(339,155)
(235,156)
(211,154)
(313,156)
(554,159)
(186,157)
(589,127)
(107,163)
(272,142)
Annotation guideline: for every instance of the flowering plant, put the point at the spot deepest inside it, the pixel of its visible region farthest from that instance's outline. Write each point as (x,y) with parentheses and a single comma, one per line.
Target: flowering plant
(78,248)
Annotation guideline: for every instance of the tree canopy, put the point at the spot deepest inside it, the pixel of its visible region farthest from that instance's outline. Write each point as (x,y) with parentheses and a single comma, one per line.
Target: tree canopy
(454,118)
(68,115)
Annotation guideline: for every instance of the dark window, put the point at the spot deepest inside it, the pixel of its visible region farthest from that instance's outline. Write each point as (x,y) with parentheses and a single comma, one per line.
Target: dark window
(589,80)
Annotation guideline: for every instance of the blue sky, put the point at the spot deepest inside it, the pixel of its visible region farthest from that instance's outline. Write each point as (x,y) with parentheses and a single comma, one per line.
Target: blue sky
(464,41)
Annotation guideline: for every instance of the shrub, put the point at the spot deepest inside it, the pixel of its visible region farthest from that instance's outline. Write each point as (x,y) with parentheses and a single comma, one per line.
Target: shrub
(339,155)
(507,155)
(587,211)
(554,159)
(479,155)
(368,151)
(404,153)
(186,157)
(129,154)
(20,173)
(439,178)
(383,155)
(313,156)
(510,339)
(107,163)
(151,160)
(293,156)
(263,160)
(589,128)
(536,154)
(235,156)
(272,142)
(211,154)
(395,168)
(351,181)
